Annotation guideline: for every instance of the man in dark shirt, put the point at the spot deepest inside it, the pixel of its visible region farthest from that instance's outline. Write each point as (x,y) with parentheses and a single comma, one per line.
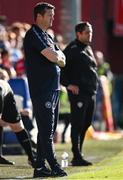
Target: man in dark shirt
(43,60)
(80,78)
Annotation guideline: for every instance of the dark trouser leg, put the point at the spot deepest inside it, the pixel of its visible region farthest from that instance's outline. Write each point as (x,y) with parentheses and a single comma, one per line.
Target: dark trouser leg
(1,140)
(88,119)
(75,141)
(82,108)
(64,131)
(76,117)
(56,116)
(40,162)
(46,118)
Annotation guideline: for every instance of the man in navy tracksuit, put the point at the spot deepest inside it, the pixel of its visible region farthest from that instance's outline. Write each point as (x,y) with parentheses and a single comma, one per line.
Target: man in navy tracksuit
(43,60)
(80,78)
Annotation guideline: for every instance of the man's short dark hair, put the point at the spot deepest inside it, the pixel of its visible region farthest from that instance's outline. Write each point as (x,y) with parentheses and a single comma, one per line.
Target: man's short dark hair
(81,26)
(40,8)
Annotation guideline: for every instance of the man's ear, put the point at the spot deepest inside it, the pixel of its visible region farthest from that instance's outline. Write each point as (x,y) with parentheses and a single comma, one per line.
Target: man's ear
(78,34)
(39,15)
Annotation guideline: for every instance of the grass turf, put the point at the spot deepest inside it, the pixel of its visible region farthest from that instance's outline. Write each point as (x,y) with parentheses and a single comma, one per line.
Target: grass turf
(107,158)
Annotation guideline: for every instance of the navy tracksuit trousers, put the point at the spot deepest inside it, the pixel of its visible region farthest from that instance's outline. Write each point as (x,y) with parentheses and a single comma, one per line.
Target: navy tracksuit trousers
(46,114)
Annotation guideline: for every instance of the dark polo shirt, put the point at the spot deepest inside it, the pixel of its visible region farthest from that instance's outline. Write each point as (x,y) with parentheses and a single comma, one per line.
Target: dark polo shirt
(43,75)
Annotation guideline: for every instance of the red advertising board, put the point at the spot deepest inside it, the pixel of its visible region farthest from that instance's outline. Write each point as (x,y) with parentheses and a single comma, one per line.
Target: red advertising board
(118,18)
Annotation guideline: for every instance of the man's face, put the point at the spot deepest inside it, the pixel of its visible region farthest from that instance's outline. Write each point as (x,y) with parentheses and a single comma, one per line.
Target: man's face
(47,19)
(86,35)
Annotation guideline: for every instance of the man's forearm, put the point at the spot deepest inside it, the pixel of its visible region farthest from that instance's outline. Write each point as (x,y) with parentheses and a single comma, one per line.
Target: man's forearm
(55,56)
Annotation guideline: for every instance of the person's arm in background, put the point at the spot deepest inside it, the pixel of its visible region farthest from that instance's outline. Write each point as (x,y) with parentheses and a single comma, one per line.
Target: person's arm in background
(65,81)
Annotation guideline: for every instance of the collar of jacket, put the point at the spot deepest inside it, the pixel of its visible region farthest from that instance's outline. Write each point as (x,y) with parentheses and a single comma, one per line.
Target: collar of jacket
(39,30)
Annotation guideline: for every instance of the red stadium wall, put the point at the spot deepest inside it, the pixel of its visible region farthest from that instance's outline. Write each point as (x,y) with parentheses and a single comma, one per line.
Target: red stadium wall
(93,12)
(101,14)
(22,10)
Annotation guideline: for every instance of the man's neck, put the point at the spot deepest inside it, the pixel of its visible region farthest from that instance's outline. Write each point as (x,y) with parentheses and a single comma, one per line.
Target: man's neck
(42,27)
